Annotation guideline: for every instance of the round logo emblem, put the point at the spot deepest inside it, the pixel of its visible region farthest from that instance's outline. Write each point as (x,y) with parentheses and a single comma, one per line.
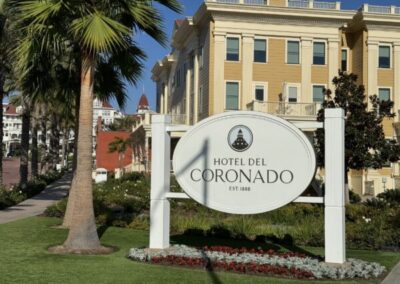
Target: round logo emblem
(240,138)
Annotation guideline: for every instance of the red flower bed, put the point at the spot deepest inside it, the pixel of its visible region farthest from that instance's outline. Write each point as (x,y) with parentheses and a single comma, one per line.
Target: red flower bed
(230,250)
(252,268)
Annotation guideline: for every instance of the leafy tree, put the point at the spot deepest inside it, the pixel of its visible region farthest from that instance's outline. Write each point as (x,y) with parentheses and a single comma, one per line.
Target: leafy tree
(103,31)
(120,146)
(365,142)
(124,123)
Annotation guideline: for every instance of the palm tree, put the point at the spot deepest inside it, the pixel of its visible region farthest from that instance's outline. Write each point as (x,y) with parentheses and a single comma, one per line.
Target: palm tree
(4,71)
(103,30)
(120,146)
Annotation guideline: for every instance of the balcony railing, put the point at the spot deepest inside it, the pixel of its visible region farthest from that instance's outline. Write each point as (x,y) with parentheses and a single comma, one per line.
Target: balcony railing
(285,108)
(298,3)
(380,9)
(314,4)
(290,3)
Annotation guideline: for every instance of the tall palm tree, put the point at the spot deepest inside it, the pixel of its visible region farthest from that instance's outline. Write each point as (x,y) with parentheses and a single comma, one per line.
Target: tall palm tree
(120,146)
(103,29)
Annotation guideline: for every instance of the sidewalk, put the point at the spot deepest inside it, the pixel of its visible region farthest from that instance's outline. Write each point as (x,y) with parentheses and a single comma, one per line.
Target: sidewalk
(394,276)
(37,204)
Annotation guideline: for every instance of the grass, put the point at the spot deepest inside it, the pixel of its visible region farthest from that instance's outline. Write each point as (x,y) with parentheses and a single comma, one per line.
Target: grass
(24,259)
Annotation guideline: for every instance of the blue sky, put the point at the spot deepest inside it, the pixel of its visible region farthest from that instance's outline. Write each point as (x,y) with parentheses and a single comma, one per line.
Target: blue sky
(155,51)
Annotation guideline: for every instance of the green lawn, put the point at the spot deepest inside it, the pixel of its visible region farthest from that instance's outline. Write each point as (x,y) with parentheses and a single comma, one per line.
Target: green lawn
(24,259)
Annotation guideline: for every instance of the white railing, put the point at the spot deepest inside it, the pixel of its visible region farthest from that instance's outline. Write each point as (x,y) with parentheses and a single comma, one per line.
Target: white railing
(285,108)
(298,3)
(325,5)
(380,9)
(227,1)
(255,2)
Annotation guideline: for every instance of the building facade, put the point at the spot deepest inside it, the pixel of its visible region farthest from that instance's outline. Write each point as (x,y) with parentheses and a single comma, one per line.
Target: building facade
(278,56)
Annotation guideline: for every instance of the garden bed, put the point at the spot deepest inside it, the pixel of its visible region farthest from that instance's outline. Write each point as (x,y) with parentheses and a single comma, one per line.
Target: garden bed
(257,261)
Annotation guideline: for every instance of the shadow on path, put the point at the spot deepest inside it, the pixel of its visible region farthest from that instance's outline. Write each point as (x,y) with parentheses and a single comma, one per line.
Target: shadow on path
(38,204)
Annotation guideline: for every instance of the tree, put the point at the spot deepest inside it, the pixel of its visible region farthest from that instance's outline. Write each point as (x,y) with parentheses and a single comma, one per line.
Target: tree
(124,123)
(120,146)
(103,30)
(365,143)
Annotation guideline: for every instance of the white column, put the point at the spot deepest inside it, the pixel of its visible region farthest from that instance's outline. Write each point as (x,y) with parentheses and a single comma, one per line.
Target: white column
(196,86)
(333,62)
(306,63)
(219,65)
(166,94)
(247,70)
(161,103)
(372,87)
(335,238)
(396,90)
(160,182)
(187,92)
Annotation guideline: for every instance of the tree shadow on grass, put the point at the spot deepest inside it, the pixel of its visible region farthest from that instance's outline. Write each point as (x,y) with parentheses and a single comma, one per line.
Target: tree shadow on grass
(200,238)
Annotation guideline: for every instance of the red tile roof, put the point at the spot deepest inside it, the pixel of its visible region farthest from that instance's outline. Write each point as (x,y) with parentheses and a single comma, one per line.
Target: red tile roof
(107,105)
(107,160)
(10,109)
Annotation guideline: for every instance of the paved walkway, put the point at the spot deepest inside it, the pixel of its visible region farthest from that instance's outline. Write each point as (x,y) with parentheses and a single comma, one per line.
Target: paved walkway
(393,277)
(37,204)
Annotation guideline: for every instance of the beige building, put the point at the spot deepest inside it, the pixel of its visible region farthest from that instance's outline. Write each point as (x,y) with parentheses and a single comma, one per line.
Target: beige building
(277,56)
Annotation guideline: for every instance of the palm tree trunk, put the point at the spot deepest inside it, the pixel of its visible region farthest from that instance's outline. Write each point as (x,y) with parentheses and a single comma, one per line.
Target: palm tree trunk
(72,195)
(1,129)
(34,148)
(54,141)
(83,232)
(23,168)
(43,141)
(77,109)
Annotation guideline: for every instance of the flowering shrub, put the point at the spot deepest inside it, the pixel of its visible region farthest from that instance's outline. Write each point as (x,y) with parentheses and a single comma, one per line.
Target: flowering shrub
(257,261)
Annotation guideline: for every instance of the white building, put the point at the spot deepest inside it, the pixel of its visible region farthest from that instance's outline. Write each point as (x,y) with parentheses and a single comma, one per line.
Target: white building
(107,113)
(12,129)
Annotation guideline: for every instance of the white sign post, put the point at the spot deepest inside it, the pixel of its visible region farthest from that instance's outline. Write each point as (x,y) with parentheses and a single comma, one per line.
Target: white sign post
(335,238)
(208,165)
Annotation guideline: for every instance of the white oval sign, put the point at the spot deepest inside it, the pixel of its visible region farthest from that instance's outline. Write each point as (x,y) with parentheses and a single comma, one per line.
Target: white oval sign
(244,162)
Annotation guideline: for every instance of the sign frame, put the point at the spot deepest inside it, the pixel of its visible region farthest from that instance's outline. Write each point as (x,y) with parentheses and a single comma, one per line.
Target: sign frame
(333,200)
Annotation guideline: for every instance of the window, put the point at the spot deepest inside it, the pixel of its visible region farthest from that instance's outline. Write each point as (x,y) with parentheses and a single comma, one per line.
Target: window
(293,52)
(259,93)
(319,53)
(318,94)
(384,94)
(200,99)
(260,50)
(232,95)
(201,57)
(292,94)
(384,56)
(232,49)
(344,60)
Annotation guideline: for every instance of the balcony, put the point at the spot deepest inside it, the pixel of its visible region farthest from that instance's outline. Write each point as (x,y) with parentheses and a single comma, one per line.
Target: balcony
(311,4)
(374,9)
(306,111)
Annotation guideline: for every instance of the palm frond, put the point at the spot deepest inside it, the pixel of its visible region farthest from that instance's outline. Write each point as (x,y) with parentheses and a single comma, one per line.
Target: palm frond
(99,33)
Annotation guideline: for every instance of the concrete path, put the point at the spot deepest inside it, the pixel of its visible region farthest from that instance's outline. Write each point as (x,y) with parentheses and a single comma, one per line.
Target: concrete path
(393,277)
(37,204)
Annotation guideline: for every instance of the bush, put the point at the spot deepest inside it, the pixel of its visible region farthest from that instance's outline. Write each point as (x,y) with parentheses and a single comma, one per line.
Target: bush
(17,194)
(125,203)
